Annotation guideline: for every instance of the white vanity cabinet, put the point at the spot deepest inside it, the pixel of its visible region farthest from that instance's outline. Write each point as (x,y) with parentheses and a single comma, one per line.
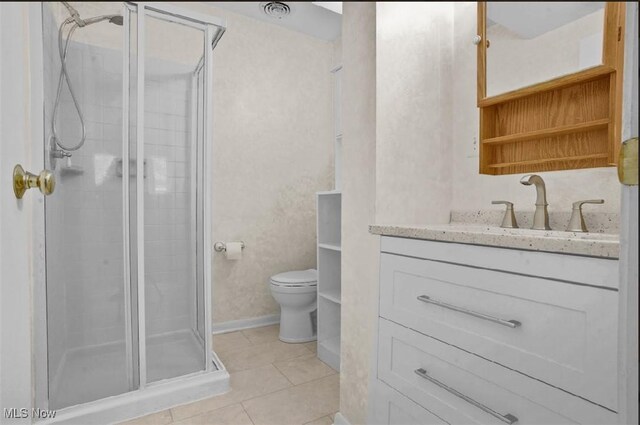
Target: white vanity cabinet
(478,334)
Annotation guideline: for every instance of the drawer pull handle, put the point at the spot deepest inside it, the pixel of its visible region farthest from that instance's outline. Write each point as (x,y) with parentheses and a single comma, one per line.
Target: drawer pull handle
(508,418)
(508,323)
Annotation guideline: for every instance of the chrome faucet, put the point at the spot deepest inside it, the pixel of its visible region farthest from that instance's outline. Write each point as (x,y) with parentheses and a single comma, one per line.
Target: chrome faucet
(541,216)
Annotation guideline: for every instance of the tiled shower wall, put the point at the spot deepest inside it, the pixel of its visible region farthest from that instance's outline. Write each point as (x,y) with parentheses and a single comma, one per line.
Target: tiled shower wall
(84,217)
(169,201)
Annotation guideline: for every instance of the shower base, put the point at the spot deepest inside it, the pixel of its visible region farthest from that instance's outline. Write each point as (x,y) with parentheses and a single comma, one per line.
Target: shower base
(99,373)
(174,354)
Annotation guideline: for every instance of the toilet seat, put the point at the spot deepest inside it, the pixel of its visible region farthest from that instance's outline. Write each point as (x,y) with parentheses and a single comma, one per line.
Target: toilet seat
(298,278)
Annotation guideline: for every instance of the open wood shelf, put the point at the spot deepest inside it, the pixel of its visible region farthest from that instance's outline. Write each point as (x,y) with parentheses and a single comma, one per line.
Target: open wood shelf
(548,132)
(564,128)
(566,80)
(569,122)
(549,160)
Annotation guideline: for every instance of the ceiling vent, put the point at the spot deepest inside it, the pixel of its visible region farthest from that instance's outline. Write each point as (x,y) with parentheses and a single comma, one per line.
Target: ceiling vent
(276,9)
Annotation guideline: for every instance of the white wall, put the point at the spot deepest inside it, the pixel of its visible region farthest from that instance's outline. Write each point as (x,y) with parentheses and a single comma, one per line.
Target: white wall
(397,154)
(360,249)
(413,101)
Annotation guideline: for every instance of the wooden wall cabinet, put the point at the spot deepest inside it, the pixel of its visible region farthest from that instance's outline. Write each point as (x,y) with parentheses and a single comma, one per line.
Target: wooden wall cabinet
(569,122)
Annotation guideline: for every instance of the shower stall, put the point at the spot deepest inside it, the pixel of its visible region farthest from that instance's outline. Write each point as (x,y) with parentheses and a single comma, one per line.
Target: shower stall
(123,309)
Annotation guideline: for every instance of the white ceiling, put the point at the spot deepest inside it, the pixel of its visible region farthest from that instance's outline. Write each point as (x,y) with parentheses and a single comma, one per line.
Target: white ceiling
(334,6)
(531,19)
(305,17)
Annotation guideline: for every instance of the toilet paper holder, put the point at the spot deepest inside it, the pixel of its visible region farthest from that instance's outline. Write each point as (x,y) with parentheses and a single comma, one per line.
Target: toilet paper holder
(221,246)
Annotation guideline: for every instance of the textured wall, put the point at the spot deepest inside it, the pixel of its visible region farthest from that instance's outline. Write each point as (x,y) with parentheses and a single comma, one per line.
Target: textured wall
(472,191)
(413,99)
(397,155)
(273,149)
(359,248)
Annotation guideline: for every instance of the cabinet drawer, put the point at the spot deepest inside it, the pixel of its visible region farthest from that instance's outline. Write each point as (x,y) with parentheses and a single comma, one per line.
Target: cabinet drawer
(561,333)
(463,388)
(392,408)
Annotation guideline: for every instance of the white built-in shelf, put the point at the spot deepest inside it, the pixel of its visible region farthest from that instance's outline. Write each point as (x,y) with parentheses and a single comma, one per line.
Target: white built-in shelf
(329,352)
(332,246)
(332,345)
(329,206)
(332,295)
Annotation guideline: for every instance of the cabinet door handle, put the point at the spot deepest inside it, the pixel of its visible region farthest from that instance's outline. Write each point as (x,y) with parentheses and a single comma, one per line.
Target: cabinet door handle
(503,322)
(508,418)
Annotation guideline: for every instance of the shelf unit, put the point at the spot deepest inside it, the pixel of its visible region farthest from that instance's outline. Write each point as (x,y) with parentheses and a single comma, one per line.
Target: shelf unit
(329,206)
(569,122)
(331,246)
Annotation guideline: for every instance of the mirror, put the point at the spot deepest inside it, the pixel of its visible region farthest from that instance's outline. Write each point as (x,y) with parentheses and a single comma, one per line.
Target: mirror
(532,42)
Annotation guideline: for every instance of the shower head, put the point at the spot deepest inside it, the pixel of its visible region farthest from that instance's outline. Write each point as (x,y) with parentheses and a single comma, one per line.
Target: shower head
(117,20)
(75,16)
(113,19)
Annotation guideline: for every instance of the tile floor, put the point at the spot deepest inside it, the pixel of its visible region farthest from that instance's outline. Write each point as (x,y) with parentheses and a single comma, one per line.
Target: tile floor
(272,383)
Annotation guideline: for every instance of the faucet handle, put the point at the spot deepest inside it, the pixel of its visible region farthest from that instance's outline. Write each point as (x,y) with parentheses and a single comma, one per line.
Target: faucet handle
(509,219)
(576,222)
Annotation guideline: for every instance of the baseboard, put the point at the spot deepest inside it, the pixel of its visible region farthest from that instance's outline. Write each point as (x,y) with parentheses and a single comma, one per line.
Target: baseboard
(238,325)
(339,419)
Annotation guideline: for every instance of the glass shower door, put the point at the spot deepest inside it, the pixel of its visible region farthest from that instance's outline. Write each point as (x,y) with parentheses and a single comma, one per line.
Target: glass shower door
(173,53)
(88,336)
(127,266)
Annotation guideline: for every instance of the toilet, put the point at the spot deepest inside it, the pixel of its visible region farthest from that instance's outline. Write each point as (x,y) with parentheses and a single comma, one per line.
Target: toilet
(295,291)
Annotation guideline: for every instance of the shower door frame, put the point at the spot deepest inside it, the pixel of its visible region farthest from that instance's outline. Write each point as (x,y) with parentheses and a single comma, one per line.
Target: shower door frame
(147,397)
(204,23)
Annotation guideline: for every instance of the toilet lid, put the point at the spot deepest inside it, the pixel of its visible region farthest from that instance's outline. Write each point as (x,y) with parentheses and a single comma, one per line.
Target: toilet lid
(297,277)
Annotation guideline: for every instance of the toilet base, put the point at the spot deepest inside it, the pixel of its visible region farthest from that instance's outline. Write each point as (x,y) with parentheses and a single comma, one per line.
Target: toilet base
(298,341)
(297,326)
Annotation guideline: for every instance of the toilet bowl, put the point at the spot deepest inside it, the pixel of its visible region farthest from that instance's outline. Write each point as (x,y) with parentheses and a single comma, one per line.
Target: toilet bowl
(295,291)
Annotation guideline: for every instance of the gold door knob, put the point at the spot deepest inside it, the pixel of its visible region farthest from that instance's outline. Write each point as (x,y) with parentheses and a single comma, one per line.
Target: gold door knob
(23,180)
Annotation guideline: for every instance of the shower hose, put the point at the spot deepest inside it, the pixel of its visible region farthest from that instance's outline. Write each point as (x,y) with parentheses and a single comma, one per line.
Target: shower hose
(64,76)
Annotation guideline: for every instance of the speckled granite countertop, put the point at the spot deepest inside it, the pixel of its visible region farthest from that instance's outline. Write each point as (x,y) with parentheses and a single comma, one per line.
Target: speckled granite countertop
(597,222)
(591,244)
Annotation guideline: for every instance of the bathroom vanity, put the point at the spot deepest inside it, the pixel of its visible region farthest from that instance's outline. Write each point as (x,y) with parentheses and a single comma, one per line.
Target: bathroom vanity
(479,324)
